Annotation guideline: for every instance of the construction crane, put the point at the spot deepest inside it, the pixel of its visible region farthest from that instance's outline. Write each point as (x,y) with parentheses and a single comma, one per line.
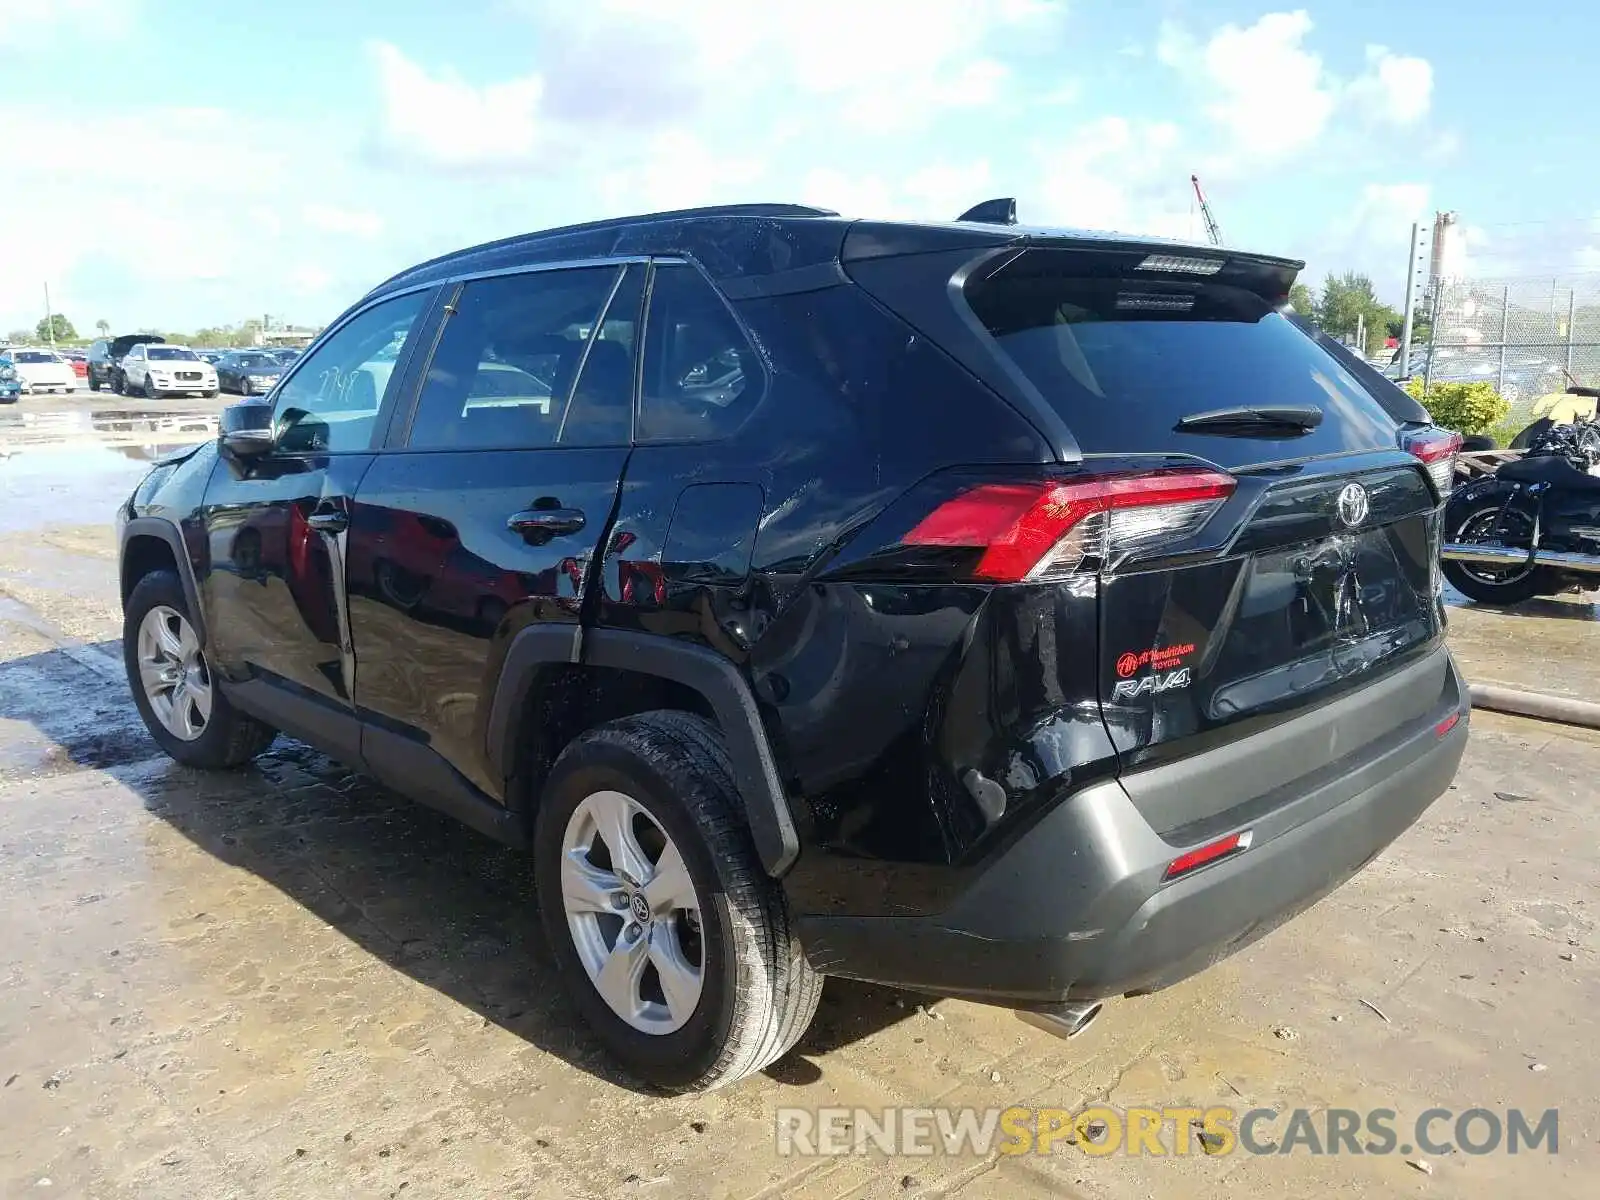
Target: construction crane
(1213,230)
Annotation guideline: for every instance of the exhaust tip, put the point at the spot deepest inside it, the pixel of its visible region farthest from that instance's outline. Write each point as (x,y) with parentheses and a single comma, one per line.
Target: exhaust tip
(1065,1021)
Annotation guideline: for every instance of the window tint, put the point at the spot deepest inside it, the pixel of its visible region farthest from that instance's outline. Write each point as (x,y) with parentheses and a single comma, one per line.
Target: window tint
(331,403)
(1125,359)
(172,352)
(701,376)
(506,372)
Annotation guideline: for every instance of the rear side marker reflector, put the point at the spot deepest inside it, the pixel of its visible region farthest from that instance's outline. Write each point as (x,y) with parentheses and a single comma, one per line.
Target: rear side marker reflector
(1234,843)
(1039,530)
(1446,725)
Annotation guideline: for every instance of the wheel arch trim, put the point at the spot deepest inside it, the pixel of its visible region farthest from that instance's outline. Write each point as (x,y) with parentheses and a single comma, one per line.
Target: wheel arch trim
(165,531)
(705,672)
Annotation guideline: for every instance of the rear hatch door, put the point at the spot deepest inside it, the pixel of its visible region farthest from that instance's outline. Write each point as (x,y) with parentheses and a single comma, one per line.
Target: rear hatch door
(1315,577)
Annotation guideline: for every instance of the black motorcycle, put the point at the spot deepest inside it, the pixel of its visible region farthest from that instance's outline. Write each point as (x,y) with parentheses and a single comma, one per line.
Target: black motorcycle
(1533,528)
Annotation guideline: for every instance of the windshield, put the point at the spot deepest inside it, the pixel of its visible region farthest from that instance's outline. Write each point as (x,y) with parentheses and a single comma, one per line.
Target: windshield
(259,362)
(1125,359)
(172,352)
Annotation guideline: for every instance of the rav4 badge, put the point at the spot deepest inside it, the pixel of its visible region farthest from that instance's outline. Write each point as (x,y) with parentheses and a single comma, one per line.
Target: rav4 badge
(1151,685)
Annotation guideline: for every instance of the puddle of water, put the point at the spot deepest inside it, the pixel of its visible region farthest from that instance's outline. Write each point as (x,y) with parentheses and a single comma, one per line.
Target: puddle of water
(77,485)
(74,466)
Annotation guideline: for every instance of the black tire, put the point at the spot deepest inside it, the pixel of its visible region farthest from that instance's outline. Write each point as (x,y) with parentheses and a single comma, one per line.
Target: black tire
(94,384)
(119,383)
(759,993)
(244,385)
(230,739)
(211,395)
(1477,583)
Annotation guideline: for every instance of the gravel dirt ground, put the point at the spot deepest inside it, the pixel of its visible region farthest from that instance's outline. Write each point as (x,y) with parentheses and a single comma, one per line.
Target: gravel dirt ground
(285,982)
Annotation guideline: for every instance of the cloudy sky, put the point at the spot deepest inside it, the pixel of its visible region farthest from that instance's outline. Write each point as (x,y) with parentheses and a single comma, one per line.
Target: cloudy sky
(178,163)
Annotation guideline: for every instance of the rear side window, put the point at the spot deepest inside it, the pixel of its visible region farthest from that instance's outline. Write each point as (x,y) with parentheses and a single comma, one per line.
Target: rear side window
(701,377)
(506,373)
(1125,359)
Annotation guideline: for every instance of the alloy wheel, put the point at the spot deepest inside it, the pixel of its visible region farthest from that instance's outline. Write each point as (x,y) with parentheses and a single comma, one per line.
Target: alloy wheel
(173,673)
(633,912)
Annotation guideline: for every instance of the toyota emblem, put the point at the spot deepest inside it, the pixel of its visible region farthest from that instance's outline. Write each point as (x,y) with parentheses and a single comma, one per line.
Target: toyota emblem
(1353,505)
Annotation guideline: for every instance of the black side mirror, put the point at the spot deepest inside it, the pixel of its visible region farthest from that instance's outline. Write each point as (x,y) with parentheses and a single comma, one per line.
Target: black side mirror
(246,429)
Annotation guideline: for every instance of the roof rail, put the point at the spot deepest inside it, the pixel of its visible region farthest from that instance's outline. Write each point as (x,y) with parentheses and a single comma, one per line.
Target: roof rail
(677,214)
(683,214)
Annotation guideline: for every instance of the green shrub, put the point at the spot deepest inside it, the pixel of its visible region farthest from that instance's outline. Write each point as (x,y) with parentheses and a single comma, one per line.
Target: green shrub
(1503,431)
(1464,407)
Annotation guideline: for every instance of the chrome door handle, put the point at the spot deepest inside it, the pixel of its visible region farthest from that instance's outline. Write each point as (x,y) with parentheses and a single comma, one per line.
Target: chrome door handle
(552,522)
(328,520)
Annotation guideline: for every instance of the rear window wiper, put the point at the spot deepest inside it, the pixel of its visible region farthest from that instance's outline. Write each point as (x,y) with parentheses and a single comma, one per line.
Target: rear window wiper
(1251,418)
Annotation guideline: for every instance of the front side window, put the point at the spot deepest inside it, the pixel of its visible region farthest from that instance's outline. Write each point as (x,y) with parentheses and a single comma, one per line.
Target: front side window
(701,377)
(331,402)
(541,359)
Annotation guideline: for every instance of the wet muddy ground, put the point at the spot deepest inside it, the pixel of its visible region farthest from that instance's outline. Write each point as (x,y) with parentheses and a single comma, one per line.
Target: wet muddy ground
(285,982)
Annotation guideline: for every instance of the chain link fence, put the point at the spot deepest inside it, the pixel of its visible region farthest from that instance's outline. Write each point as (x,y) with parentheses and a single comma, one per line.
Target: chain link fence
(1526,336)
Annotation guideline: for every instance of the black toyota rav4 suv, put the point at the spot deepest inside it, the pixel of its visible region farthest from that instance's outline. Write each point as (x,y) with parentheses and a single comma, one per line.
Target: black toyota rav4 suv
(1018,614)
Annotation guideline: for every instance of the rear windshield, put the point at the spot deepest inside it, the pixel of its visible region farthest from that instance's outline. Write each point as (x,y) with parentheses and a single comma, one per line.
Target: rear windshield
(1125,359)
(36,356)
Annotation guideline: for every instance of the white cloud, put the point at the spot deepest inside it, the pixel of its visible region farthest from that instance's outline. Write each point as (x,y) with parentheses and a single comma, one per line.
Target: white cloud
(1114,173)
(27,26)
(202,249)
(632,67)
(1395,88)
(310,278)
(1374,236)
(442,119)
(677,170)
(938,192)
(356,222)
(1271,96)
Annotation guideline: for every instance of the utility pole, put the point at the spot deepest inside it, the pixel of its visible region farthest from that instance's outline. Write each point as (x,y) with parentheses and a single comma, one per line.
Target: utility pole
(1411,300)
(1433,337)
(49,317)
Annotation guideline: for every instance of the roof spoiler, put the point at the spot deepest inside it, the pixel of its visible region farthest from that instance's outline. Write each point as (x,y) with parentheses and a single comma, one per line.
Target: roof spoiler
(1002,211)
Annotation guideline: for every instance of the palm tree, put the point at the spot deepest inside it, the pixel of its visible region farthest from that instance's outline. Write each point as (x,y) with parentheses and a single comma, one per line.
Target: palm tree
(104,326)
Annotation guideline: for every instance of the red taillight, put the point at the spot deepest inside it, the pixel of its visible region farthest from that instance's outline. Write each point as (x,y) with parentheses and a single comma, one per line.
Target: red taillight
(1042,529)
(1436,449)
(1234,843)
(1446,725)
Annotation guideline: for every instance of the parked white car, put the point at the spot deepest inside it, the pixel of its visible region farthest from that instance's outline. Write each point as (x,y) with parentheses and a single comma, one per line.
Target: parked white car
(44,371)
(161,369)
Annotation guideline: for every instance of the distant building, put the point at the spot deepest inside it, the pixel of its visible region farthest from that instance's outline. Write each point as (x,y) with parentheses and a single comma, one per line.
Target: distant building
(287,335)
